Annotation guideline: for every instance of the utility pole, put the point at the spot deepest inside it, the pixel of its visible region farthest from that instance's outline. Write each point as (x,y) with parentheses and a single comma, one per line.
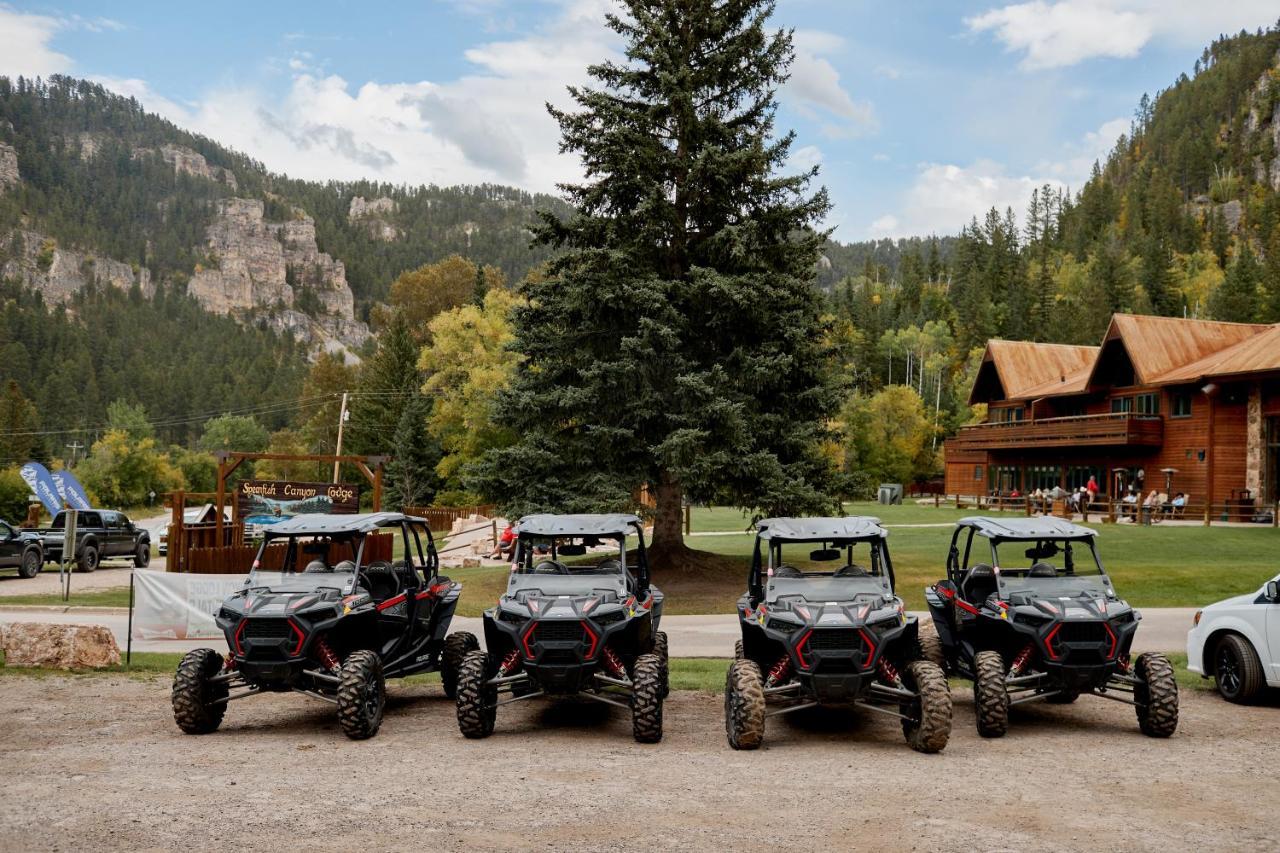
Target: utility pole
(74,447)
(342,421)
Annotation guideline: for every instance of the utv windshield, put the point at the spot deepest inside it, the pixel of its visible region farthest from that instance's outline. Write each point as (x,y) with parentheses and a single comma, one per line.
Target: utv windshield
(833,570)
(305,564)
(571,555)
(1048,567)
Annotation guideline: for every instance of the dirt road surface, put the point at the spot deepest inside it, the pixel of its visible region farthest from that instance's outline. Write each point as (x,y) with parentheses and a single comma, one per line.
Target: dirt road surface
(96,763)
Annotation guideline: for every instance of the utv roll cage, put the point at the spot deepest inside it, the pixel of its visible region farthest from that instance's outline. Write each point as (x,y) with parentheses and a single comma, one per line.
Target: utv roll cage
(548,531)
(833,534)
(351,531)
(1043,533)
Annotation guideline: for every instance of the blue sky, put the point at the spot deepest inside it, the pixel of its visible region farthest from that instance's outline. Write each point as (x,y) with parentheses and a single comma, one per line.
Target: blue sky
(921,114)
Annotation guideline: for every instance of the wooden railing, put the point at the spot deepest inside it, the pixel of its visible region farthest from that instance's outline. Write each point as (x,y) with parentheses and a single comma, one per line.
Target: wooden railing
(1121,428)
(441,518)
(1105,510)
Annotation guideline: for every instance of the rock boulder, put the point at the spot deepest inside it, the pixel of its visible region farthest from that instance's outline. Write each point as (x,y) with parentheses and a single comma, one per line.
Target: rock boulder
(59,646)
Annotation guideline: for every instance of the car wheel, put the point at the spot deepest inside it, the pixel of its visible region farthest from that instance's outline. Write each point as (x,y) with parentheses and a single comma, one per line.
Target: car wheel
(476,699)
(1237,670)
(456,647)
(744,705)
(199,703)
(31,563)
(142,556)
(660,650)
(990,694)
(1155,695)
(646,699)
(88,561)
(930,728)
(362,695)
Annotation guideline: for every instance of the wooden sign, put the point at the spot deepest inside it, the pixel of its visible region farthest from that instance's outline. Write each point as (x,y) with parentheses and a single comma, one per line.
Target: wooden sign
(268,500)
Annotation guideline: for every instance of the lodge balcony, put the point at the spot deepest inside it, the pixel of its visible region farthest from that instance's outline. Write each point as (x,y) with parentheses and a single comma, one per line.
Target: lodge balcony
(1121,429)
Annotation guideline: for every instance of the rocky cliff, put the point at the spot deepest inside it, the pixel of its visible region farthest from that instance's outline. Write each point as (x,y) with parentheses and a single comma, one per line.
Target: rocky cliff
(373,215)
(187,162)
(59,273)
(274,270)
(8,167)
(1262,126)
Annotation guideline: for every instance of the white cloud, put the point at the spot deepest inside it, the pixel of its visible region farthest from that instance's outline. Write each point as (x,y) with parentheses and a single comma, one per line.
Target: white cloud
(887,71)
(1065,32)
(815,86)
(24,45)
(944,197)
(804,158)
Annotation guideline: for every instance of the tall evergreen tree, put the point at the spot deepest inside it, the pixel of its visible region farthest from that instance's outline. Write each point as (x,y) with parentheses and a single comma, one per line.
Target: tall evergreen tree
(1236,300)
(411,473)
(676,340)
(1271,278)
(387,381)
(1158,277)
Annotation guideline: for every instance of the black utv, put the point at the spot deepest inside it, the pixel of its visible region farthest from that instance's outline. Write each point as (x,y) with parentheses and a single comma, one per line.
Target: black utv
(576,620)
(825,628)
(1027,612)
(319,617)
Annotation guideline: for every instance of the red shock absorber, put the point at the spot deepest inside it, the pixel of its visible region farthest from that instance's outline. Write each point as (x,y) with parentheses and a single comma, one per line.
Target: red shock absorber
(779,673)
(229,662)
(1021,661)
(326,655)
(613,663)
(509,664)
(1122,664)
(889,672)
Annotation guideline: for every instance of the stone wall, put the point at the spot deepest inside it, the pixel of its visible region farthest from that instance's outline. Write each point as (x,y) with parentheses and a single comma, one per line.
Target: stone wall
(1255,446)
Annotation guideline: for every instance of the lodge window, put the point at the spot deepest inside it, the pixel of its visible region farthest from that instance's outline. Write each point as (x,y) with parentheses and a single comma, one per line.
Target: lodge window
(1072,410)
(1010,415)
(1181,404)
(1148,404)
(1121,405)
(977,473)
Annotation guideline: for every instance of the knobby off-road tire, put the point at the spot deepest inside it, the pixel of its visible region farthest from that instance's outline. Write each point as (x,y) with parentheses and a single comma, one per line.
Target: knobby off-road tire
(31,563)
(1156,694)
(362,695)
(476,699)
(739,653)
(933,728)
(88,560)
(142,556)
(1237,670)
(930,645)
(660,650)
(194,697)
(990,694)
(744,705)
(646,699)
(456,647)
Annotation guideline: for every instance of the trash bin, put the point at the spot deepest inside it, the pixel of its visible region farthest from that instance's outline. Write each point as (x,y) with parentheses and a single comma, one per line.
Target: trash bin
(890,493)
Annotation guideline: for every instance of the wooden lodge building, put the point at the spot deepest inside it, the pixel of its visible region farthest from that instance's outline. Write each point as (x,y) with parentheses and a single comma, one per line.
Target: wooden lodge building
(1197,397)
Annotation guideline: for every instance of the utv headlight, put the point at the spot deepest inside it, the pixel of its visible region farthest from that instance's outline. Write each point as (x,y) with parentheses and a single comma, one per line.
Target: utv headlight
(783,626)
(1032,619)
(512,617)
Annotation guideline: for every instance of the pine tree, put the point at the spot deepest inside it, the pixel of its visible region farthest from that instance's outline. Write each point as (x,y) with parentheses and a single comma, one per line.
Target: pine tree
(387,381)
(1271,278)
(411,473)
(482,287)
(1158,277)
(676,341)
(1236,300)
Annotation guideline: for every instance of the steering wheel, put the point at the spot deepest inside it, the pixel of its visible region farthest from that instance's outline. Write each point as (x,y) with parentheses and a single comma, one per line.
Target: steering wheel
(550,567)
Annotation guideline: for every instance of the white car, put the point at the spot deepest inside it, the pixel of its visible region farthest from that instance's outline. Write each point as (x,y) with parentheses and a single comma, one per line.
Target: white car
(1237,643)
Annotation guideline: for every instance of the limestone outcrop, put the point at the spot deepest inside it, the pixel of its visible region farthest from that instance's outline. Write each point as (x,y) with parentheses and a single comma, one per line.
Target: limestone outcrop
(187,162)
(58,273)
(275,270)
(372,214)
(9,176)
(42,644)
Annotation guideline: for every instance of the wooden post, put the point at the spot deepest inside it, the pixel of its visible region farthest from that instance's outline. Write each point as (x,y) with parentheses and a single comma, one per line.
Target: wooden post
(937,499)
(377,488)
(221,500)
(1210,391)
(688,519)
(957,500)
(177,545)
(1027,502)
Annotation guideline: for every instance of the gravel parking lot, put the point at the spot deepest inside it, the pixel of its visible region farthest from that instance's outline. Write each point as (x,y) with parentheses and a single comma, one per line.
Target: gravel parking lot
(98,764)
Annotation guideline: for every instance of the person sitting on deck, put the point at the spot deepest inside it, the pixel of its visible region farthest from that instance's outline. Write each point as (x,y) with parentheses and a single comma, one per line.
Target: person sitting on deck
(1178,505)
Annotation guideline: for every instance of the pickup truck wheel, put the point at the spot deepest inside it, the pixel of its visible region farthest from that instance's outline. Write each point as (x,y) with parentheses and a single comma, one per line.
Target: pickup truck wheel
(88,561)
(142,556)
(31,562)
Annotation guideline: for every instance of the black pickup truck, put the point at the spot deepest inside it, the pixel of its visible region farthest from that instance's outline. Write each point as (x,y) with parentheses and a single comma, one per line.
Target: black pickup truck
(100,535)
(20,550)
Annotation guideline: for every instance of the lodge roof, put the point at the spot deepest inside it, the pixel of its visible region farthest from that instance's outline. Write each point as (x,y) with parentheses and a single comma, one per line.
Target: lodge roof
(1161,350)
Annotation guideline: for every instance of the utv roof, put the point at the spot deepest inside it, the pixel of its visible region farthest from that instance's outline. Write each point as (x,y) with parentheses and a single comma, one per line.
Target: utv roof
(821,529)
(319,524)
(1026,528)
(612,524)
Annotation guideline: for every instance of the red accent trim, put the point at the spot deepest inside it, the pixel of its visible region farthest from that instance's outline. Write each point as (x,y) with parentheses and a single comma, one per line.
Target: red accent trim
(236,637)
(1004,605)
(1048,642)
(595,640)
(870,645)
(804,641)
(946,592)
(391,602)
(1115,641)
(966,606)
(524,641)
(302,638)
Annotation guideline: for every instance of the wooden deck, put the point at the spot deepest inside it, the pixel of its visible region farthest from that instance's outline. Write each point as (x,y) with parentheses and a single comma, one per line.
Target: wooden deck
(1108,430)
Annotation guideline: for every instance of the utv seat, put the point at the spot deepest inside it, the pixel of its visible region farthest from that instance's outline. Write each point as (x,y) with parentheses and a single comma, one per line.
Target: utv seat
(550,567)
(785,571)
(608,566)
(381,580)
(853,570)
(979,583)
(1042,570)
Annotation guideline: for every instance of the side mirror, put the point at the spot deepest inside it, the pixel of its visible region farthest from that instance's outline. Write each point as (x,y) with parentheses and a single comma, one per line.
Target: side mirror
(824,555)
(1273,591)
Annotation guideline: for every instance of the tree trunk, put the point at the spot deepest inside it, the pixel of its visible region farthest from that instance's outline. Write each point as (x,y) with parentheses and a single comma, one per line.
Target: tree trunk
(668,519)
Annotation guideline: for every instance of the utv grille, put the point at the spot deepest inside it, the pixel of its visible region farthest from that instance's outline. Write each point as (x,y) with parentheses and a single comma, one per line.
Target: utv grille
(559,632)
(267,629)
(610,618)
(559,657)
(835,640)
(1082,632)
(782,625)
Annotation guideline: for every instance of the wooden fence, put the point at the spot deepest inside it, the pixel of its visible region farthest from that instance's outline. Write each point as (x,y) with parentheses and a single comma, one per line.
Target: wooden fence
(1107,510)
(441,518)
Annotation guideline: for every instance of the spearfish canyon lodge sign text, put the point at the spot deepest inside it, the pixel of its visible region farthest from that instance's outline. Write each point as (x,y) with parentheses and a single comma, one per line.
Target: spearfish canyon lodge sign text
(287,498)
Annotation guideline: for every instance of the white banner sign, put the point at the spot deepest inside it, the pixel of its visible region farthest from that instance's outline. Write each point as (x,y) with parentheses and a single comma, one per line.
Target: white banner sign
(179,606)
